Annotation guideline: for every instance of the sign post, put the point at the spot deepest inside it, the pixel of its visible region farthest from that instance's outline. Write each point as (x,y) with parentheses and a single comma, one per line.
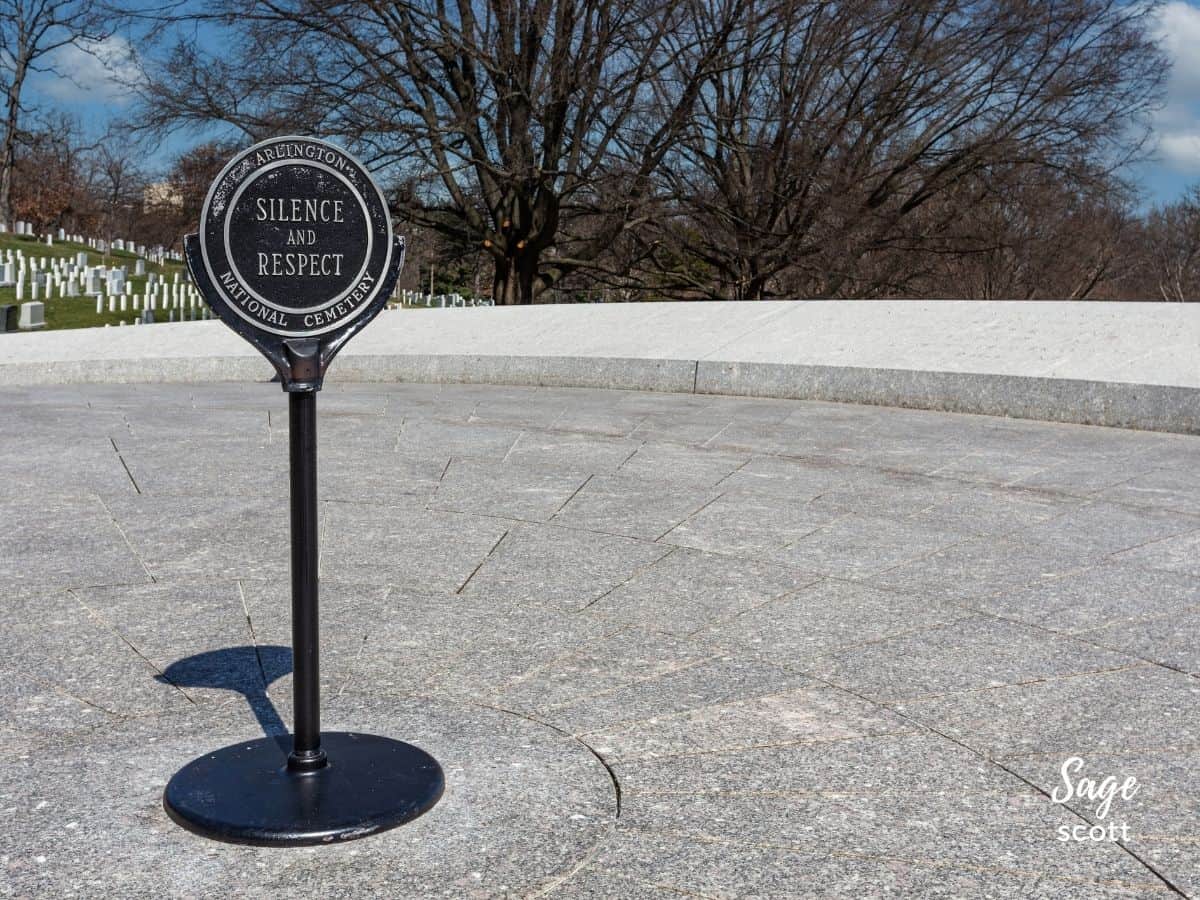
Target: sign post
(296,254)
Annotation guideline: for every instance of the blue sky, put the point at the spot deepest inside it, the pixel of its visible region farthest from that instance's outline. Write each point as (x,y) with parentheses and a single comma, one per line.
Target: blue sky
(91,88)
(1177,126)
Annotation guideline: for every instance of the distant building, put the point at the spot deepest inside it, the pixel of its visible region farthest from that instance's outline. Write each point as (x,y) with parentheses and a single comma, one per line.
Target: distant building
(161,193)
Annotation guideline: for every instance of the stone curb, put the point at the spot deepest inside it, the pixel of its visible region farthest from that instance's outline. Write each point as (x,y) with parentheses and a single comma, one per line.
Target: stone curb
(1149,407)
(1115,404)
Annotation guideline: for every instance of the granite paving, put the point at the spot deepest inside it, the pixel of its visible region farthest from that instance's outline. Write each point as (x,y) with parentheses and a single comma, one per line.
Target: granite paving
(662,645)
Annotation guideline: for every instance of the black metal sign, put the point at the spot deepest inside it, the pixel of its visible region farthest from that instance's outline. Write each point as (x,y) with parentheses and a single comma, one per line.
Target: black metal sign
(296,254)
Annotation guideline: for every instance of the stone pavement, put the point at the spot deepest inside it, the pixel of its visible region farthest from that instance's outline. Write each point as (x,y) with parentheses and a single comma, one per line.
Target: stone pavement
(663,645)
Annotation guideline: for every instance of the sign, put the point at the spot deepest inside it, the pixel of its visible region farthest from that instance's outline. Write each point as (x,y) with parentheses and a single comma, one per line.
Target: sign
(295,244)
(296,254)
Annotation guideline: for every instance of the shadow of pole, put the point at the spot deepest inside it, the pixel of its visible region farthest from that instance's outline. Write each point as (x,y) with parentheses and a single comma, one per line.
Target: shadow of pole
(247,670)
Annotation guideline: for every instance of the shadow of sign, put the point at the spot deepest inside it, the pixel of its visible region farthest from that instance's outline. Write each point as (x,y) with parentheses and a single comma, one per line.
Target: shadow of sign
(248,671)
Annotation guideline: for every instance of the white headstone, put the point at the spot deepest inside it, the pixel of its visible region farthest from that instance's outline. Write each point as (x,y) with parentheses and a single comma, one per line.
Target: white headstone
(33,317)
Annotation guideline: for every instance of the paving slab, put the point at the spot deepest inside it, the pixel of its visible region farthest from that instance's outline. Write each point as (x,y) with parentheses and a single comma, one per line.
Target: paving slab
(723,704)
(525,493)
(54,541)
(982,567)
(408,545)
(1143,707)
(969,654)
(828,616)
(671,464)
(663,644)
(723,869)
(988,833)
(571,451)
(560,567)
(81,464)
(632,506)
(748,525)
(1099,601)
(700,589)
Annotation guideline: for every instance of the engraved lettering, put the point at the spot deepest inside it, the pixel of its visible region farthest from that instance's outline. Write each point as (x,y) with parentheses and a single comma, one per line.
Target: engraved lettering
(281,209)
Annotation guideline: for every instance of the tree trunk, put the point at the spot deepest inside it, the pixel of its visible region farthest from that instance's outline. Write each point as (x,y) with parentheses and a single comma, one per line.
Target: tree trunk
(8,146)
(756,288)
(8,156)
(6,188)
(516,281)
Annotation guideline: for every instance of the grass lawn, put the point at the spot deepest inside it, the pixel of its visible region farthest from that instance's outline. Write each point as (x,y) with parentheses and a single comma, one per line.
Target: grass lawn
(80,312)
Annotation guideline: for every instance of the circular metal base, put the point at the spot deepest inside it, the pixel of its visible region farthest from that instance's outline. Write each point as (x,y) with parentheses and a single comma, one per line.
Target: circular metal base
(245,793)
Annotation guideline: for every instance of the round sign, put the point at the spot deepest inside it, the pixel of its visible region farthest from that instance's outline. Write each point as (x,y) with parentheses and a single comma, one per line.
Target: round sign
(296,236)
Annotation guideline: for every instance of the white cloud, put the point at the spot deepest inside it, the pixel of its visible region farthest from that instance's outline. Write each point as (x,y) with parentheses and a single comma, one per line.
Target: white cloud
(1179,35)
(1181,151)
(95,71)
(1178,123)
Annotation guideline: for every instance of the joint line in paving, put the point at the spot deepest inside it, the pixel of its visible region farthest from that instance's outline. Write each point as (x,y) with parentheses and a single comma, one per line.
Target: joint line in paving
(486,557)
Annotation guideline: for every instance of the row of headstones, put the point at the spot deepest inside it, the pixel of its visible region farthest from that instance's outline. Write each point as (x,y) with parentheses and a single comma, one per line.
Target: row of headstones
(31,316)
(162,294)
(69,277)
(79,260)
(188,299)
(27,229)
(194,314)
(441,301)
(154,254)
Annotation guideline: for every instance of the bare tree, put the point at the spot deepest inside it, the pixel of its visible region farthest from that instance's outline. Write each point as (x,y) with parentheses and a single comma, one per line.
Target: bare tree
(118,182)
(818,160)
(1172,244)
(528,129)
(1039,238)
(50,187)
(712,148)
(30,33)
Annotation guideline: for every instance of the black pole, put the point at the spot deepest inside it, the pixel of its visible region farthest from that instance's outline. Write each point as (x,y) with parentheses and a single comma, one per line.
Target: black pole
(306,755)
(236,793)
